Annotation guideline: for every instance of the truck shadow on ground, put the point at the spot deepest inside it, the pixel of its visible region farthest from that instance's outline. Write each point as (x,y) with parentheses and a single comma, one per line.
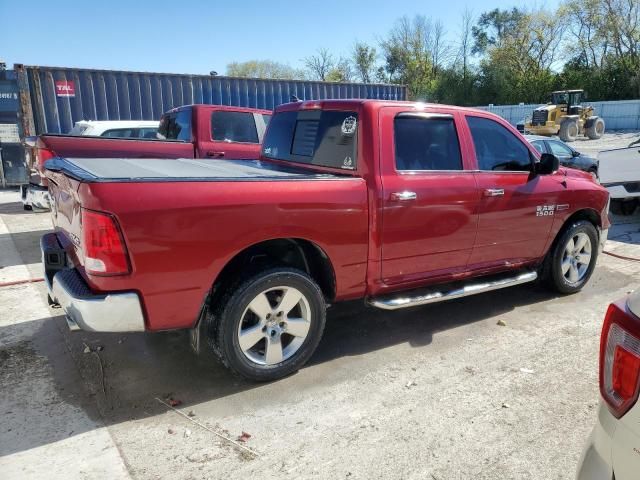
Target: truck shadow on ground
(124,373)
(116,378)
(12,208)
(625,228)
(28,243)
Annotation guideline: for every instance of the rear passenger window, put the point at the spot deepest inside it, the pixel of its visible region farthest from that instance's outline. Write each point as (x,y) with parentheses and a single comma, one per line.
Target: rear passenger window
(176,126)
(148,133)
(497,149)
(119,133)
(423,143)
(233,127)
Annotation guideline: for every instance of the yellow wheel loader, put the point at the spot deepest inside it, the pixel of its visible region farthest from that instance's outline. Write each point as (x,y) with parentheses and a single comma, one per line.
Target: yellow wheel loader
(566,117)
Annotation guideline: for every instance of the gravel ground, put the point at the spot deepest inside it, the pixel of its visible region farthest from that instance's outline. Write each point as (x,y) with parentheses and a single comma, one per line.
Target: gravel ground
(438,392)
(607,142)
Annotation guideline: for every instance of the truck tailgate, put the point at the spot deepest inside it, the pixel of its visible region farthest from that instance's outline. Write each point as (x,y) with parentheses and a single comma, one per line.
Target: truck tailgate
(65,214)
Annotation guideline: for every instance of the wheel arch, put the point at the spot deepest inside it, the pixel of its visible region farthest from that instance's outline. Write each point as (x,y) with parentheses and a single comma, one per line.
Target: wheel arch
(299,253)
(588,214)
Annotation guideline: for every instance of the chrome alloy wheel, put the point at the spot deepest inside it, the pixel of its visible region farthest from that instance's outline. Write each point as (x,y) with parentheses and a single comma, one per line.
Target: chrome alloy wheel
(274,325)
(576,258)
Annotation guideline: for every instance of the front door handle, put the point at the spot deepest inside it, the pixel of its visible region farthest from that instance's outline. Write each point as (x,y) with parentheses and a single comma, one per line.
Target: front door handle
(403,196)
(494,192)
(215,154)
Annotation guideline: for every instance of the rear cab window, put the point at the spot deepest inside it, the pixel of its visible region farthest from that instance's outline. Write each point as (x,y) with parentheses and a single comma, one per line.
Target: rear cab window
(238,127)
(497,148)
(176,125)
(326,138)
(426,142)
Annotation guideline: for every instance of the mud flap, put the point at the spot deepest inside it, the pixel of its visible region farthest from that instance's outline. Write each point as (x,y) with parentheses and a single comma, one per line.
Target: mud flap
(197,334)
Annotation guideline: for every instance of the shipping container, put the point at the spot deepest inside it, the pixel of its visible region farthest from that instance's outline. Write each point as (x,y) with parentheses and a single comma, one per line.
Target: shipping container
(53,99)
(13,170)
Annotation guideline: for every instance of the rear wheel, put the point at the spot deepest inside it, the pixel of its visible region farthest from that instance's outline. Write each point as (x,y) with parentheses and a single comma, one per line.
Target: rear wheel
(269,325)
(595,130)
(571,261)
(569,130)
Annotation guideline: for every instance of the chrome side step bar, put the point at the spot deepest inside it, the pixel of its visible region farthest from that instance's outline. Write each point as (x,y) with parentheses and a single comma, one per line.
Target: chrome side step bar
(395,302)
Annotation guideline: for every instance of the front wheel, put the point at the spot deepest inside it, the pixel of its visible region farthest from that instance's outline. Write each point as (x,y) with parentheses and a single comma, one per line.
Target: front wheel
(571,261)
(569,130)
(269,326)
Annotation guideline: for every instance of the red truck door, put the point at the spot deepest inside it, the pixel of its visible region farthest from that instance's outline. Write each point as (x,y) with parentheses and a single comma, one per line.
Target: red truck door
(429,198)
(516,207)
(230,134)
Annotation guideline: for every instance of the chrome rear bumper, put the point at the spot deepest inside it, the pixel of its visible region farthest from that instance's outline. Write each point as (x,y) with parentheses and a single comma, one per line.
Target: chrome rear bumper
(84,309)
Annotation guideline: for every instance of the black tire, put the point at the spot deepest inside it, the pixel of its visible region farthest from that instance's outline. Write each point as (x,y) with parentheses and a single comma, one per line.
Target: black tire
(596,127)
(231,309)
(552,274)
(623,207)
(27,207)
(569,130)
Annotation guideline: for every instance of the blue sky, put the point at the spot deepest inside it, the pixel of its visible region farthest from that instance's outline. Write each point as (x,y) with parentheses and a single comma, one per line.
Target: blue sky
(199,36)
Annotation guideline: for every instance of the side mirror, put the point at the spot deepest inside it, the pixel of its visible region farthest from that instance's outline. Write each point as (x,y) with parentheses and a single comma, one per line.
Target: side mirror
(575,154)
(547,165)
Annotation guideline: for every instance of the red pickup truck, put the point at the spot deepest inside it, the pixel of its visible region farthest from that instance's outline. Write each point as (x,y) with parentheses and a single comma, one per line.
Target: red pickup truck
(401,204)
(191,131)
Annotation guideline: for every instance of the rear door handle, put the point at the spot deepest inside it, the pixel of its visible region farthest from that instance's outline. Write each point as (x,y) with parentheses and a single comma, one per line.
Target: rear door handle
(403,196)
(214,154)
(494,192)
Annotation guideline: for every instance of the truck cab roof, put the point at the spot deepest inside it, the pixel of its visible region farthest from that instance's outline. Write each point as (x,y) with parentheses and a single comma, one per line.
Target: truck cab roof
(219,108)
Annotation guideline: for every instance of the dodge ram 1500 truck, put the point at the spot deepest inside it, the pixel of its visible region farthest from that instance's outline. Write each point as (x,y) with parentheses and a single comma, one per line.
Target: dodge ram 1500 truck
(400,204)
(191,131)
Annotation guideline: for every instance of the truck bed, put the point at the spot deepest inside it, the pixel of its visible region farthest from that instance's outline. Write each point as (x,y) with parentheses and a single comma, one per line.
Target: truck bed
(117,170)
(183,220)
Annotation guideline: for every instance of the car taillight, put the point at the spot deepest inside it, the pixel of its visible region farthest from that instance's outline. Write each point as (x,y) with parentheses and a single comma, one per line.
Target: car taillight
(102,244)
(620,359)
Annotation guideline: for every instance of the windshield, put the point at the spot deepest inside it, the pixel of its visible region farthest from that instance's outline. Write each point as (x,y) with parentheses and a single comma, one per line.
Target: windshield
(562,98)
(559,98)
(326,138)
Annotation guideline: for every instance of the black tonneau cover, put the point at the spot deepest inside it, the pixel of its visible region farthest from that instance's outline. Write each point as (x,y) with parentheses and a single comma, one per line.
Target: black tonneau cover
(112,170)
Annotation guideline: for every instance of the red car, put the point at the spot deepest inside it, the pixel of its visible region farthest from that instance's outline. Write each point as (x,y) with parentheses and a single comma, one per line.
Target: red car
(398,203)
(191,131)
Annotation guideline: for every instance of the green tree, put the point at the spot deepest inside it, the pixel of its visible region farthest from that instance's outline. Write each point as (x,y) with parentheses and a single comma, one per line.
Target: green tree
(263,69)
(320,64)
(341,71)
(408,52)
(364,59)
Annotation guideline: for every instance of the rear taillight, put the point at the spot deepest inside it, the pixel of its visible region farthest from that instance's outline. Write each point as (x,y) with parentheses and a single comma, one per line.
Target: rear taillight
(620,359)
(41,156)
(102,244)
